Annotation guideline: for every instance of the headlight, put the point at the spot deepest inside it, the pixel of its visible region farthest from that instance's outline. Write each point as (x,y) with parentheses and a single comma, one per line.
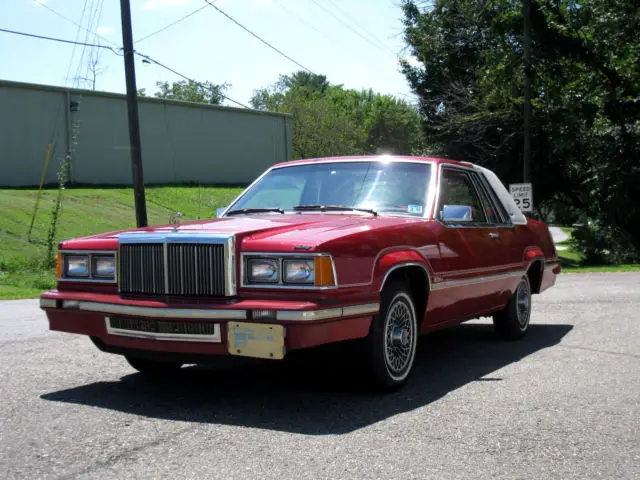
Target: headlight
(273,270)
(94,266)
(76,266)
(263,270)
(299,271)
(104,266)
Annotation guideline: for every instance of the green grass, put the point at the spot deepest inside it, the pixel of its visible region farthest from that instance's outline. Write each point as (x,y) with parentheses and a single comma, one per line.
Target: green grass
(573,261)
(85,211)
(602,269)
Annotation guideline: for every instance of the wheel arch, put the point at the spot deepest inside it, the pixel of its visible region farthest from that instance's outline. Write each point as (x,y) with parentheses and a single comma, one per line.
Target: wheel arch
(416,275)
(535,272)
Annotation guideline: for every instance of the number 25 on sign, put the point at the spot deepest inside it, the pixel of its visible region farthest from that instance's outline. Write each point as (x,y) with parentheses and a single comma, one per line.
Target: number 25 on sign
(522,194)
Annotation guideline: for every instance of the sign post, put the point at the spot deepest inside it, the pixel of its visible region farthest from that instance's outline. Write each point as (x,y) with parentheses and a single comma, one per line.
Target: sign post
(522,194)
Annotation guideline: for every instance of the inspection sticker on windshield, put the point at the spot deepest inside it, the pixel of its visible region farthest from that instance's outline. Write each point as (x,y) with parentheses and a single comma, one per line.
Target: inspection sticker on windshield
(414,209)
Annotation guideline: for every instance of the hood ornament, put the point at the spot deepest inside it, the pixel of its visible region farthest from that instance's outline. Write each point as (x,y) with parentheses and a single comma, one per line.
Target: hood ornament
(175,219)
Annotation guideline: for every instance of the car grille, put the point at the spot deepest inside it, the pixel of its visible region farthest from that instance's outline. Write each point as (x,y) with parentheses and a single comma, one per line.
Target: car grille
(163,326)
(172,269)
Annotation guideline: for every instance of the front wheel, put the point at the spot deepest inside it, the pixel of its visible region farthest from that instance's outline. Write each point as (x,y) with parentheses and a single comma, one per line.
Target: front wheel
(392,341)
(153,368)
(512,322)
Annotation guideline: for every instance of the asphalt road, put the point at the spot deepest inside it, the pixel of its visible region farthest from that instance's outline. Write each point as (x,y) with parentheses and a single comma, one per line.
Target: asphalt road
(562,404)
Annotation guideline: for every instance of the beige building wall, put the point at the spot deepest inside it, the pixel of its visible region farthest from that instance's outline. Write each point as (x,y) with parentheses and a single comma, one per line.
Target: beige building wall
(181,142)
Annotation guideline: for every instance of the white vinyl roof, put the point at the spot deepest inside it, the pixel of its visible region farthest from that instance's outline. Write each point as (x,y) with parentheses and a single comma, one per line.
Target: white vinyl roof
(517,217)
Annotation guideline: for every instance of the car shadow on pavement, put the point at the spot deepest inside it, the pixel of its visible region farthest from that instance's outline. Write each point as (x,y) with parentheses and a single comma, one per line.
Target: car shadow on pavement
(316,392)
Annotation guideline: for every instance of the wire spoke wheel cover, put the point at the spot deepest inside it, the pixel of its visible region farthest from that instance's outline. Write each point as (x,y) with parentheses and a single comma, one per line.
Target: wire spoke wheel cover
(400,336)
(523,304)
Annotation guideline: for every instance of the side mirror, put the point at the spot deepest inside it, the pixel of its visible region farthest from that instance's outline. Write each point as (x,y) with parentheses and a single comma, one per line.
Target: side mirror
(219,211)
(457,213)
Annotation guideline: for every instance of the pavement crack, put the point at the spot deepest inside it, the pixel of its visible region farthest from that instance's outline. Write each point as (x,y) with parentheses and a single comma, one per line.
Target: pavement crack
(115,459)
(597,350)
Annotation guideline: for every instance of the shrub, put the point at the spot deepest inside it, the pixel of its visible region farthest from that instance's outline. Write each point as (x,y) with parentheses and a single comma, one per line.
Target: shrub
(603,245)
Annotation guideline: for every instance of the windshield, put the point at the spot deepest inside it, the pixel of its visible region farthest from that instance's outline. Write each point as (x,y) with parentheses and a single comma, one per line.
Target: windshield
(395,187)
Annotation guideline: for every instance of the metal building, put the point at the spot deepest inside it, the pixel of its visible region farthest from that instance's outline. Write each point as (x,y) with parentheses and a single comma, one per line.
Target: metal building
(181,142)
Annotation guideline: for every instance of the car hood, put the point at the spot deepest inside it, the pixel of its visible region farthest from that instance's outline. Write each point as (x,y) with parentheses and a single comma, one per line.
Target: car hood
(271,231)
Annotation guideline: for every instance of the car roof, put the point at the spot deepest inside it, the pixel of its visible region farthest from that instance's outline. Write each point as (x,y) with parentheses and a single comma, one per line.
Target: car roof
(351,158)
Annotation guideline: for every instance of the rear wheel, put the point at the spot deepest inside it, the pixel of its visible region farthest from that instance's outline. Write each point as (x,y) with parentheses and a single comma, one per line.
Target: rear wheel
(392,341)
(512,323)
(153,368)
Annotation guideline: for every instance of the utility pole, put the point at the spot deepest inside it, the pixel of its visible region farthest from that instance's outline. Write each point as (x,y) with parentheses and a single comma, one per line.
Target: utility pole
(526,5)
(132,109)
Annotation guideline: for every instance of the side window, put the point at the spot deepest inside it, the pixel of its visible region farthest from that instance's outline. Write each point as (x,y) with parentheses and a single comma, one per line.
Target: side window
(459,201)
(490,210)
(493,201)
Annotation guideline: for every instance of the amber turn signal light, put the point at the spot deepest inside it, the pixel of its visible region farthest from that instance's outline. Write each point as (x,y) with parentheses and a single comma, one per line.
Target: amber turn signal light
(324,272)
(59,265)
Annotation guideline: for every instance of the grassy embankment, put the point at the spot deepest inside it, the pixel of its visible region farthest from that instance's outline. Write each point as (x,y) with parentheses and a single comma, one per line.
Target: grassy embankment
(573,260)
(84,212)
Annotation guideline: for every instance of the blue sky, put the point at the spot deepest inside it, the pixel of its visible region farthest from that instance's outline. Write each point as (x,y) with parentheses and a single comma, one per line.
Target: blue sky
(208,46)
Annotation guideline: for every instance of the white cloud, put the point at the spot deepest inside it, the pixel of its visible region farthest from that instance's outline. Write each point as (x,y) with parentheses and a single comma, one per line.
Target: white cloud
(155,4)
(40,2)
(263,2)
(103,30)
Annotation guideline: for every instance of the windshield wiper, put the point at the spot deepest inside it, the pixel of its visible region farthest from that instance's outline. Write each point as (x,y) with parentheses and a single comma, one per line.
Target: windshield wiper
(254,210)
(335,208)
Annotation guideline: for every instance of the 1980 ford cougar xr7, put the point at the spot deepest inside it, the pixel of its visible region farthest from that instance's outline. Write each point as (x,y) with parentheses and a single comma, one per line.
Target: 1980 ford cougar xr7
(377,248)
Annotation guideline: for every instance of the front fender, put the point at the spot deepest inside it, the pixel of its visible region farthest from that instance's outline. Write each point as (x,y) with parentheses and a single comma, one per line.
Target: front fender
(390,262)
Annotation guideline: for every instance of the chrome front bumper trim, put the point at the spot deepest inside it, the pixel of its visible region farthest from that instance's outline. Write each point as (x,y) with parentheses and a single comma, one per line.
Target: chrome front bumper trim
(151,312)
(210,314)
(340,312)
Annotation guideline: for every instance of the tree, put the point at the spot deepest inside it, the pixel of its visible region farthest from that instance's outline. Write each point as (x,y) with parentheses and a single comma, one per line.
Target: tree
(196,92)
(330,120)
(586,102)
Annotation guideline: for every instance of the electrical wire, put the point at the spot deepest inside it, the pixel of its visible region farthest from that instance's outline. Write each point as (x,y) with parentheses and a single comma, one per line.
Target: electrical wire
(258,37)
(78,24)
(355,22)
(53,39)
(156,62)
(92,25)
(171,24)
(195,82)
(349,27)
(259,112)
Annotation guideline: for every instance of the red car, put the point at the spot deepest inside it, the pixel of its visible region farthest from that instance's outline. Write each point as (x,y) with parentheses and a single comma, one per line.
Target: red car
(376,248)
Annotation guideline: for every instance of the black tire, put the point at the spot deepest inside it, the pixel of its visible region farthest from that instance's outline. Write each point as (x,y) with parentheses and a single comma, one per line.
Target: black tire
(390,357)
(153,368)
(512,323)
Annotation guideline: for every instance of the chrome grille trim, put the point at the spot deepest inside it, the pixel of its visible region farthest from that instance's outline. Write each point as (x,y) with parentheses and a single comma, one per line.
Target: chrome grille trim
(181,264)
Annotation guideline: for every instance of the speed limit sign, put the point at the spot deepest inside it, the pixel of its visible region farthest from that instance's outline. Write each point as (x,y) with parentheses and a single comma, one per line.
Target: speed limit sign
(522,194)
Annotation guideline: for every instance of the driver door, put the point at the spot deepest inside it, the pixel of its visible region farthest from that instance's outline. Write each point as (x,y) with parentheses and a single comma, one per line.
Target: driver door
(472,246)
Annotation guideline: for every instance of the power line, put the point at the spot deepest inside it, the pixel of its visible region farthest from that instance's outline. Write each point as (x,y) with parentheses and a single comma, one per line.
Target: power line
(171,24)
(79,25)
(355,22)
(53,39)
(258,37)
(73,50)
(195,82)
(255,110)
(349,27)
(300,18)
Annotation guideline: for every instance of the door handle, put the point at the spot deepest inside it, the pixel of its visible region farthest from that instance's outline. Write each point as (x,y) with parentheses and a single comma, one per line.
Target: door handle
(494,235)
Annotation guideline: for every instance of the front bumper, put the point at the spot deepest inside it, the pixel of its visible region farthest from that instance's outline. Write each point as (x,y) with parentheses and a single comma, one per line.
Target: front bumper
(306,324)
